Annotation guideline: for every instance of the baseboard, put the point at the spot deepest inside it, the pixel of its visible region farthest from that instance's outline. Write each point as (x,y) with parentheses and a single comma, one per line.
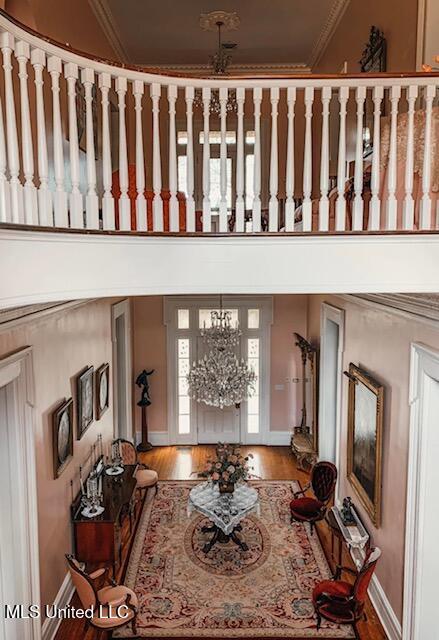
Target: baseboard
(384,610)
(63,597)
(278,438)
(159,438)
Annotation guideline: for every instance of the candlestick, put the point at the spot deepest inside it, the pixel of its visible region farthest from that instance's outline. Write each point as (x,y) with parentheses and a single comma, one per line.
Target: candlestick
(80,480)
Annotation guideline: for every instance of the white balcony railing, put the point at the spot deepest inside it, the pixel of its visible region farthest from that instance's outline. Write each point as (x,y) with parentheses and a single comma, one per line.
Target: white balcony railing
(90,145)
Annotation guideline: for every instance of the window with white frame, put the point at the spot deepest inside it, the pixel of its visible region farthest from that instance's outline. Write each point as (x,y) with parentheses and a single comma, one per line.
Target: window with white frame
(183,365)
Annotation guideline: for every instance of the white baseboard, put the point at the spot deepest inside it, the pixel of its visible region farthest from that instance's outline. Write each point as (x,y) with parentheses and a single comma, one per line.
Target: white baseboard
(278,438)
(159,438)
(384,610)
(63,597)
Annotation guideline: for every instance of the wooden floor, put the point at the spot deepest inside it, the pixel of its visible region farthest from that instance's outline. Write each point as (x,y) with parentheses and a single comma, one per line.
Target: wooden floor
(270,463)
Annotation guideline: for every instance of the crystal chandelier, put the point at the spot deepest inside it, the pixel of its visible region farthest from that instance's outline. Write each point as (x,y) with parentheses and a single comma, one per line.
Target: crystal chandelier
(219,379)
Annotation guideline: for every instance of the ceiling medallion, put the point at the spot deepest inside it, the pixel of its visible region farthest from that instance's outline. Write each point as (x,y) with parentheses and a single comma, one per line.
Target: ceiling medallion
(229,21)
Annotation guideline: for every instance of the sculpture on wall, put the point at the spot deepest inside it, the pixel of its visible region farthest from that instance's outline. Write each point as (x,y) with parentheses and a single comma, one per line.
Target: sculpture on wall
(144,402)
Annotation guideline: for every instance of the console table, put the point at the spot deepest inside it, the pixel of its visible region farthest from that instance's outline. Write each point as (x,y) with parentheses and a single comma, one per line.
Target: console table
(99,540)
(355,543)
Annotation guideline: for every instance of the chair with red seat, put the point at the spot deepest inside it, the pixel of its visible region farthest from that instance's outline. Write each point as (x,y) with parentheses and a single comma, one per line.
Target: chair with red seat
(307,509)
(340,601)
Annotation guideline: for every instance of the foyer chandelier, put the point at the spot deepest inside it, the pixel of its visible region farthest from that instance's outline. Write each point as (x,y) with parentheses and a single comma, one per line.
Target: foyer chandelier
(220,379)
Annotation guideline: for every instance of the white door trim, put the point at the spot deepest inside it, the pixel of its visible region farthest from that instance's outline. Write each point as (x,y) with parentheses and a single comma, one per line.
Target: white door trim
(336,315)
(123,308)
(17,369)
(423,361)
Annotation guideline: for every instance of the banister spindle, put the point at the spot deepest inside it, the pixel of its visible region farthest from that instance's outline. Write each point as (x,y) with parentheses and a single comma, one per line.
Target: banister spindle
(256,214)
(157,203)
(408,214)
(108,214)
(141,218)
(16,195)
(392,204)
(207,222)
(290,168)
(425,209)
(124,201)
(240,203)
(273,206)
(324,162)
(307,161)
(357,214)
(340,211)
(223,92)
(375,205)
(60,195)
(22,53)
(190,202)
(174,221)
(5,207)
(91,199)
(76,203)
(45,213)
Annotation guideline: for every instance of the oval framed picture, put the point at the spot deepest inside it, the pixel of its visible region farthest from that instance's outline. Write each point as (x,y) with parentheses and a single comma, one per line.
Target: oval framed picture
(102,390)
(62,421)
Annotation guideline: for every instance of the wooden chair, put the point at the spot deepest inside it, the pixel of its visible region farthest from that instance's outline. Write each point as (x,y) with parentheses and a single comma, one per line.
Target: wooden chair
(145,476)
(106,600)
(307,509)
(340,601)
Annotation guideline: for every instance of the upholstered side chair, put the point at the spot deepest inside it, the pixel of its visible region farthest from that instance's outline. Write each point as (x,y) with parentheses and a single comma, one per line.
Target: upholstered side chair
(312,509)
(343,602)
(145,477)
(106,600)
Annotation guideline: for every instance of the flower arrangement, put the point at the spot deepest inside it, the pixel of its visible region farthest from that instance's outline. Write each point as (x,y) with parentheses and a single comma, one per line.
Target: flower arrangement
(229,467)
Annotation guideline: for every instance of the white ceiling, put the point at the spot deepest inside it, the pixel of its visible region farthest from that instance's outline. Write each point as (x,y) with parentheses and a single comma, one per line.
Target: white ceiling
(283,33)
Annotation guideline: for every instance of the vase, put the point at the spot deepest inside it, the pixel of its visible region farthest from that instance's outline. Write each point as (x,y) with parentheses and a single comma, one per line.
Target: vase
(226,487)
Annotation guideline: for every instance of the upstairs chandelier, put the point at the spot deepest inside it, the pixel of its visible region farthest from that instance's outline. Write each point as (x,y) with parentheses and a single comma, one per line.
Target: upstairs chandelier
(220,379)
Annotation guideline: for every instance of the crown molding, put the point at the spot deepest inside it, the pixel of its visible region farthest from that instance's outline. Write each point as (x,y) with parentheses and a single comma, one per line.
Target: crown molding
(110,28)
(203,69)
(335,15)
(423,307)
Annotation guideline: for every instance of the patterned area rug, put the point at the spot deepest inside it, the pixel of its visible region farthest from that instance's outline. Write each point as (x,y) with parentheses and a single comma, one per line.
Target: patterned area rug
(228,593)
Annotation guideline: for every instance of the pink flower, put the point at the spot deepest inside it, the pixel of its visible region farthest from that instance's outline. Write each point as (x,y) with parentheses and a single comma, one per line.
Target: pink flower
(225,476)
(218,465)
(215,476)
(231,468)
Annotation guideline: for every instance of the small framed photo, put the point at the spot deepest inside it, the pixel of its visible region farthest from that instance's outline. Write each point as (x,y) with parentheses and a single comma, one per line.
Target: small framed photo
(102,390)
(62,425)
(85,401)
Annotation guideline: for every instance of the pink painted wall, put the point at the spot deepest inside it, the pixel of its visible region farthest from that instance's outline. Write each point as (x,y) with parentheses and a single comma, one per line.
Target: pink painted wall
(63,344)
(380,343)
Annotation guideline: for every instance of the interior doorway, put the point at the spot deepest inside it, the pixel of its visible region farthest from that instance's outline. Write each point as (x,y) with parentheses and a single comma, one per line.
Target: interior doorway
(331,371)
(122,370)
(19,558)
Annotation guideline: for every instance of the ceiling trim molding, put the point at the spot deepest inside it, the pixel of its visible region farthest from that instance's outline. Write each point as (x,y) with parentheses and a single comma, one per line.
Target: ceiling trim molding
(293,67)
(110,28)
(11,319)
(422,307)
(335,15)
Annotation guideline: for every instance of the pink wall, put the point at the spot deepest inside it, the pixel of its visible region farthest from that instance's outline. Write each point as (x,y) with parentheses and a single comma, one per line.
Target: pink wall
(63,344)
(380,343)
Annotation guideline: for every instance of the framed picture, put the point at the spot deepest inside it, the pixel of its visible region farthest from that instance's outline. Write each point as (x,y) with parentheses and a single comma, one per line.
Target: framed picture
(85,401)
(365,427)
(62,425)
(102,390)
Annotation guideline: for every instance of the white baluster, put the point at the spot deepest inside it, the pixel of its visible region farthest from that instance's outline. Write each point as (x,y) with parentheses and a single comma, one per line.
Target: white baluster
(157,204)
(141,217)
(223,92)
(256,214)
(307,161)
(22,53)
(357,214)
(273,206)
(289,178)
(190,202)
(375,205)
(16,193)
(45,211)
(124,201)
(5,206)
(240,203)
(207,222)
(425,209)
(60,196)
(91,199)
(174,222)
(408,215)
(76,201)
(324,162)
(340,211)
(108,213)
(392,205)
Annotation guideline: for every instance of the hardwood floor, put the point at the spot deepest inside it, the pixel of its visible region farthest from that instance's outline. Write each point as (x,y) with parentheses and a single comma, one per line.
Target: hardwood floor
(270,463)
